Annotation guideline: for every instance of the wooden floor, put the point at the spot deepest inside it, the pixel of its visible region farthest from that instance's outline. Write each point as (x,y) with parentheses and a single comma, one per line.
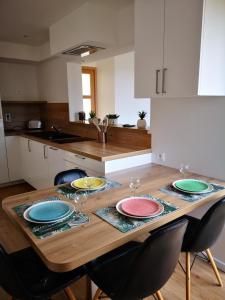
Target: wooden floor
(204,285)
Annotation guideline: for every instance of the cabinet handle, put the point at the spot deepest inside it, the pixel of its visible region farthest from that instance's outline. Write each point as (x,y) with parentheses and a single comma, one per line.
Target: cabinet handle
(163,81)
(45,154)
(55,149)
(80,157)
(157,82)
(28,146)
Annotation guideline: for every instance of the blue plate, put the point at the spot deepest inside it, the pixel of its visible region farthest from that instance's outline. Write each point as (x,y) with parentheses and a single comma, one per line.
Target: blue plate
(49,211)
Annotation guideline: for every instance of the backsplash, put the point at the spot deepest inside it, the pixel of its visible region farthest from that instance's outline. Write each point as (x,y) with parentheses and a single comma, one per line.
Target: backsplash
(20,114)
(57,114)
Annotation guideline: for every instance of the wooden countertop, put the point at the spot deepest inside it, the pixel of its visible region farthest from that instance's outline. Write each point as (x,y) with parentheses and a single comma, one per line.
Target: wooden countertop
(70,249)
(93,149)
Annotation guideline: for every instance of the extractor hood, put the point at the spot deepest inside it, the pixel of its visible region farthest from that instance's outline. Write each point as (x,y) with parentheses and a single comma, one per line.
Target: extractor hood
(83,50)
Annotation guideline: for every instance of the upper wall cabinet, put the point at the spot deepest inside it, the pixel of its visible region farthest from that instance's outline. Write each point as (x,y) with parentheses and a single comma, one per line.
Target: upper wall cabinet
(179,48)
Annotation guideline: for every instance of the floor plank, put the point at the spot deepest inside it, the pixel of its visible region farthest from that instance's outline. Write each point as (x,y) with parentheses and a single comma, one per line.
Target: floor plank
(204,285)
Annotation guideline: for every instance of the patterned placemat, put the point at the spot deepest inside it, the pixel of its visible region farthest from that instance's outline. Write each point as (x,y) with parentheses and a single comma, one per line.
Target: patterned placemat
(170,190)
(42,231)
(70,192)
(125,224)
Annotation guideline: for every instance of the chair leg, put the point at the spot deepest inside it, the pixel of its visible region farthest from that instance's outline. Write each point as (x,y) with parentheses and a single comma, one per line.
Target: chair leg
(97,294)
(188,276)
(159,295)
(69,293)
(209,254)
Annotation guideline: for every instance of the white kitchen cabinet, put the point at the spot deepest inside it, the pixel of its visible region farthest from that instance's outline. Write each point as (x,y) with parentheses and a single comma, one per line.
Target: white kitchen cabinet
(14,157)
(4,176)
(34,163)
(179,48)
(56,163)
(91,166)
(149,30)
(39,165)
(71,165)
(26,158)
(100,168)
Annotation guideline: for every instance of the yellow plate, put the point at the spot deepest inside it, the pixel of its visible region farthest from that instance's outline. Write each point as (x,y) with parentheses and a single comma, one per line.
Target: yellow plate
(89,183)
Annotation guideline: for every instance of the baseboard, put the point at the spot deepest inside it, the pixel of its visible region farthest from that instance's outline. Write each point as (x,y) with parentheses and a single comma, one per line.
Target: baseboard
(220,264)
(12,183)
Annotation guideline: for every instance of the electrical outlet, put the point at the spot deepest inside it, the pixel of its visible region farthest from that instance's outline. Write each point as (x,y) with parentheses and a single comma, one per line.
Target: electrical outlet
(161,156)
(8,117)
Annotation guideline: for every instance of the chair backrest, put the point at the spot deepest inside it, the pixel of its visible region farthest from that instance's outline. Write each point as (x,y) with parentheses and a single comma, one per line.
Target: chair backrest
(209,228)
(69,176)
(9,279)
(155,262)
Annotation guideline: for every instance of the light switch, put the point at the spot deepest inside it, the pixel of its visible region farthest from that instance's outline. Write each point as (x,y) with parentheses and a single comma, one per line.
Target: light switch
(8,117)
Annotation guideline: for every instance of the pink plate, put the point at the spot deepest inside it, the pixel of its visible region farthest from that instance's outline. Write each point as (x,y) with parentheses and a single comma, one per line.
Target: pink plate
(141,207)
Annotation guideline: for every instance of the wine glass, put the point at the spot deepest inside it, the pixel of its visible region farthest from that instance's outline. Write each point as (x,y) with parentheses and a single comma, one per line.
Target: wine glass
(80,199)
(134,184)
(184,168)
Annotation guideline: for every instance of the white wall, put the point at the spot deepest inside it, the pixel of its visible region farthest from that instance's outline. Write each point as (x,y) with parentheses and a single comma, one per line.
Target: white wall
(18,81)
(19,51)
(125,104)
(115,89)
(125,25)
(74,84)
(191,131)
(24,52)
(52,80)
(105,87)
(90,22)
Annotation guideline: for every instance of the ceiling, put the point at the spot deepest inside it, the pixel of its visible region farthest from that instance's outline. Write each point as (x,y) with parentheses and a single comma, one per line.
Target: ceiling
(27,21)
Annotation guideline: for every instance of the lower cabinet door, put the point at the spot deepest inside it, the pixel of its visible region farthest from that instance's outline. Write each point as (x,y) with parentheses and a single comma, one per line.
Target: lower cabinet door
(56,163)
(26,159)
(39,174)
(70,165)
(34,163)
(14,157)
(3,158)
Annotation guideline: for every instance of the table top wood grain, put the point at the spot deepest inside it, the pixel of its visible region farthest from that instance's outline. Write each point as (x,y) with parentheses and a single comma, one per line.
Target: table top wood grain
(70,249)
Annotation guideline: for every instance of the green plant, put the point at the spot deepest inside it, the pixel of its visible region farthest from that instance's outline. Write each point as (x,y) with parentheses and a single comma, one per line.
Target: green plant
(112,116)
(92,114)
(142,114)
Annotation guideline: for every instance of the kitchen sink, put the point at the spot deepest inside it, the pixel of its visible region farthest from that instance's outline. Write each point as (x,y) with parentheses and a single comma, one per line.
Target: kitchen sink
(59,137)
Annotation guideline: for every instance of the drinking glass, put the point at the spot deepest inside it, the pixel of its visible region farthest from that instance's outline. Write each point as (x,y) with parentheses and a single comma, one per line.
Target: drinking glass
(80,199)
(134,184)
(184,168)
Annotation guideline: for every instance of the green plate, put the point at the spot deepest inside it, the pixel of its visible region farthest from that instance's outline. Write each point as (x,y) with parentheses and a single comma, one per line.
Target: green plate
(192,186)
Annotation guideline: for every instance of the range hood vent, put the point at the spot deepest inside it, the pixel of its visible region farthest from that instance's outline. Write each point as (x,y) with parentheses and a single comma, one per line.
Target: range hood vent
(83,50)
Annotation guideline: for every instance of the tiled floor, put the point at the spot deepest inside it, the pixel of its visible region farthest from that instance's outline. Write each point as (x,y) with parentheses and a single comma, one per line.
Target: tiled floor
(204,285)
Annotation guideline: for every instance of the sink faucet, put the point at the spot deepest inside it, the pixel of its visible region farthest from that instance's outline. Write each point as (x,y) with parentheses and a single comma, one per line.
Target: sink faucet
(56,129)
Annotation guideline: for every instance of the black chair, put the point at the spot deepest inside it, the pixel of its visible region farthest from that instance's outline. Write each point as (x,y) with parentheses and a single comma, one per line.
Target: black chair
(24,276)
(137,270)
(201,235)
(69,176)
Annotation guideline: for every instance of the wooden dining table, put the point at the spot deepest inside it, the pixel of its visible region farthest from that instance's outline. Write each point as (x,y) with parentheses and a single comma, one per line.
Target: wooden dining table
(70,249)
